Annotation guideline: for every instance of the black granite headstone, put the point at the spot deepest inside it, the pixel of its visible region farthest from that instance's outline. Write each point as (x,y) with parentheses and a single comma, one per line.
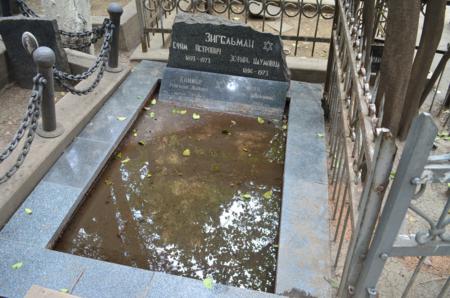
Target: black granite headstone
(20,63)
(225,65)
(210,43)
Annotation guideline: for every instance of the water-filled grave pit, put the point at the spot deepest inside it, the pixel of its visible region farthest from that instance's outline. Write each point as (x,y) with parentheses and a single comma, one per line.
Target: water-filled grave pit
(189,192)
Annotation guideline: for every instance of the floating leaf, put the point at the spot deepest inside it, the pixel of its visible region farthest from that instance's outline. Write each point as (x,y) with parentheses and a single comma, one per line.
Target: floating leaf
(142,143)
(267,194)
(108,182)
(208,282)
(153,102)
(17,265)
(247,196)
(181,112)
(320,135)
(187,152)
(121,118)
(195,116)
(28,211)
(126,160)
(64,290)
(260,120)
(215,168)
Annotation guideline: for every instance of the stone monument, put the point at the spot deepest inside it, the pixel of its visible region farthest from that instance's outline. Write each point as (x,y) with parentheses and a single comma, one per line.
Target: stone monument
(20,62)
(223,65)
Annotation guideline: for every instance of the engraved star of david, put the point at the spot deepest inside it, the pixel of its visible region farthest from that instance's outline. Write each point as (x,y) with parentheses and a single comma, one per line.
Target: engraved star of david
(267,46)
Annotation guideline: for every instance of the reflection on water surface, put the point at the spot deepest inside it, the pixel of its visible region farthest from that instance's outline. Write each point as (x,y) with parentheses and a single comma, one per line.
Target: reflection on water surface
(211,211)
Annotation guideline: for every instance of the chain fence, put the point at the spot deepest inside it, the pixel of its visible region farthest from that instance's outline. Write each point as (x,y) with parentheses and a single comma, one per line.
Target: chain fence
(29,123)
(100,64)
(81,41)
(74,40)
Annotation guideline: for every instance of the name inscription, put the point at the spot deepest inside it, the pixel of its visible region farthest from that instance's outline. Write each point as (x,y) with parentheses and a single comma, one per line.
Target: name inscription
(224,48)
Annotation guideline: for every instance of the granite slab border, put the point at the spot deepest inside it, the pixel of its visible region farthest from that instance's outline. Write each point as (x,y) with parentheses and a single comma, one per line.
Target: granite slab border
(27,238)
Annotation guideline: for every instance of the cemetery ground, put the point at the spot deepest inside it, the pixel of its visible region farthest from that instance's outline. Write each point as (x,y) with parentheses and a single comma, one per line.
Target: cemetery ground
(397,271)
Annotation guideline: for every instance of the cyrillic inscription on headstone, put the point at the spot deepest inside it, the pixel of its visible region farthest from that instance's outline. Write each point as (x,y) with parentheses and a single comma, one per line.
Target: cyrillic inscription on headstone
(208,43)
(226,66)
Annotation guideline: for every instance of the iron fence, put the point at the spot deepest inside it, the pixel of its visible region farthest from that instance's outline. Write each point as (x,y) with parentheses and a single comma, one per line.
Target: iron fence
(353,126)
(367,211)
(301,24)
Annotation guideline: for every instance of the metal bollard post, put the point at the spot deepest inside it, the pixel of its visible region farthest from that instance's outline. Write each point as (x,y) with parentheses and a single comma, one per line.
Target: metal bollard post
(115,11)
(44,58)
(6,8)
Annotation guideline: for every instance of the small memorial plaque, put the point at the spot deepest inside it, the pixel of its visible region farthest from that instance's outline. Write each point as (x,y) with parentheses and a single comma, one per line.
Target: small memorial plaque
(227,66)
(29,42)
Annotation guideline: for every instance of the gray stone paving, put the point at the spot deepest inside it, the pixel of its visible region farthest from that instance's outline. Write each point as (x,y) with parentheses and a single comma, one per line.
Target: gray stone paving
(303,254)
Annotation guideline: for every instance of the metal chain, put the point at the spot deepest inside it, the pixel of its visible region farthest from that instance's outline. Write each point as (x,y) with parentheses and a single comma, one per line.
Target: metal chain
(83,40)
(71,89)
(82,36)
(100,63)
(25,9)
(29,121)
(104,52)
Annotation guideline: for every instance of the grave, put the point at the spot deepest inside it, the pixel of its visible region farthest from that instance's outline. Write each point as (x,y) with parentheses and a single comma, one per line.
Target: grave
(20,63)
(127,187)
(223,65)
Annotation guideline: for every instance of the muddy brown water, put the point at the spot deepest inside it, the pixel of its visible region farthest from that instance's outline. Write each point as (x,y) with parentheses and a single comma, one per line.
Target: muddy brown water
(214,213)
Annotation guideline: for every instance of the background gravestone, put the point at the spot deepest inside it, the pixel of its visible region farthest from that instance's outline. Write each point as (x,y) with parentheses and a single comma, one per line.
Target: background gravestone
(223,65)
(20,63)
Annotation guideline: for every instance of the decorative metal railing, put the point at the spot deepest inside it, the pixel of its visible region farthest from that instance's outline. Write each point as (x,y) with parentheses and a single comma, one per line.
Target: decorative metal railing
(305,17)
(353,124)
(362,158)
